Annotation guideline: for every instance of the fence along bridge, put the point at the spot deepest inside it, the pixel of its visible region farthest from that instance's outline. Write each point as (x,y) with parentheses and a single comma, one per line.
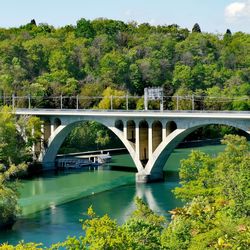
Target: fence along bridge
(149,136)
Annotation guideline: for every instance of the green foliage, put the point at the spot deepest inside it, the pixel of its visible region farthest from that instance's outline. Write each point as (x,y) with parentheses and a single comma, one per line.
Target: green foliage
(9,208)
(45,61)
(144,227)
(16,138)
(196,28)
(22,246)
(141,231)
(217,216)
(112,97)
(90,90)
(84,28)
(90,136)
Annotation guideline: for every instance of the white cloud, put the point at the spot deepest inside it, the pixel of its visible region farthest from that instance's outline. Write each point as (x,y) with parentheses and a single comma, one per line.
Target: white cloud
(238,11)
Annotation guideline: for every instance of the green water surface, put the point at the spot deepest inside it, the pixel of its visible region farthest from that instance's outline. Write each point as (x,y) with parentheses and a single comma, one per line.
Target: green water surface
(53,204)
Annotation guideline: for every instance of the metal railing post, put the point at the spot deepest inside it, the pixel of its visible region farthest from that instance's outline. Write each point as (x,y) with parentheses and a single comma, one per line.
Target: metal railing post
(145,100)
(177,102)
(61,100)
(77,102)
(29,99)
(111,102)
(192,102)
(126,102)
(13,101)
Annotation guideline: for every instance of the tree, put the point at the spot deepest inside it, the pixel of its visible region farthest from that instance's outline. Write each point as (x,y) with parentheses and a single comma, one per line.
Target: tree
(90,135)
(16,139)
(141,231)
(33,22)
(22,246)
(217,215)
(102,138)
(9,208)
(84,28)
(144,227)
(196,28)
(235,187)
(89,95)
(112,98)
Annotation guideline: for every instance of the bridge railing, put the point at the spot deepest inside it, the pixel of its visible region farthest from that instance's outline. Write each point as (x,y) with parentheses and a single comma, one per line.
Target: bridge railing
(188,102)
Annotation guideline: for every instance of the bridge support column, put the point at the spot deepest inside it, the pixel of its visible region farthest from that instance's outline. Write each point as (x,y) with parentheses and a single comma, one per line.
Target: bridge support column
(150,141)
(52,127)
(147,178)
(164,133)
(125,131)
(137,141)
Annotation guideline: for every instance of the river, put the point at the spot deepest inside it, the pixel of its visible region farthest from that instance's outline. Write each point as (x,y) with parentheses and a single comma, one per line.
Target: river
(52,204)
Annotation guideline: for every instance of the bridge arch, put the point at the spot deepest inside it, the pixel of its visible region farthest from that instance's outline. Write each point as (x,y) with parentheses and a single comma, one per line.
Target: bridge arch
(63,130)
(164,150)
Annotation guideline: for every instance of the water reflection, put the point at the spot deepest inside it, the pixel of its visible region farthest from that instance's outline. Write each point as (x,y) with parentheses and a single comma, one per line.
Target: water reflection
(57,222)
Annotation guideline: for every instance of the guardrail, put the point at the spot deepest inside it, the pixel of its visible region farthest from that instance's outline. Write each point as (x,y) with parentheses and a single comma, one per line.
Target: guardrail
(127,102)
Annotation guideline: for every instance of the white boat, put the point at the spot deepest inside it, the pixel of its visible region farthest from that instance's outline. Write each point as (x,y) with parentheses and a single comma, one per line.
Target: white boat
(104,158)
(73,163)
(83,161)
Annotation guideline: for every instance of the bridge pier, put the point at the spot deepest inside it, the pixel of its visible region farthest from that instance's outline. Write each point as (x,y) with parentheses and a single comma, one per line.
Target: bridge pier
(147,178)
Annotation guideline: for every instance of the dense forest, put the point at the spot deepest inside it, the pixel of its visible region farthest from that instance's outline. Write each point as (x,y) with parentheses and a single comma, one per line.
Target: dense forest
(108,57)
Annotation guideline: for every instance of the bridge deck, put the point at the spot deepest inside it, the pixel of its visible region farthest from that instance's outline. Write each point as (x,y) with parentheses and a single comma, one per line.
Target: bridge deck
(137,113)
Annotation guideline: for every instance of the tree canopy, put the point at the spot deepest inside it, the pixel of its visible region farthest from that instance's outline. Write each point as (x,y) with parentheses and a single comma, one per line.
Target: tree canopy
(41,60)
(15,152)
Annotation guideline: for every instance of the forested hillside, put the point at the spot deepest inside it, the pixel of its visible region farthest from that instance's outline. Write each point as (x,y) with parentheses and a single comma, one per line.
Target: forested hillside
(108,57)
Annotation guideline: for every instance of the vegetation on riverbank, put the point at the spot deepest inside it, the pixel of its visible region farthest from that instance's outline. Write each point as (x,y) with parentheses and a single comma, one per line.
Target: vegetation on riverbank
(89,136)
(14,154)
(216,215)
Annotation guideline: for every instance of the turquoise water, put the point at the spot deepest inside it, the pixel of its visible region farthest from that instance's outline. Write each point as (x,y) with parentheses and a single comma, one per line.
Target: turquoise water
(52,205)
(173,162)
(48,191)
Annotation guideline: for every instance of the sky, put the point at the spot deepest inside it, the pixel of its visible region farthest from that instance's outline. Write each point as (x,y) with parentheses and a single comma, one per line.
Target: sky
(213,16)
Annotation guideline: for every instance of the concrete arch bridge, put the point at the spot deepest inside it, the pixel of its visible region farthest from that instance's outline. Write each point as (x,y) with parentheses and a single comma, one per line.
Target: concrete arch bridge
(149,136)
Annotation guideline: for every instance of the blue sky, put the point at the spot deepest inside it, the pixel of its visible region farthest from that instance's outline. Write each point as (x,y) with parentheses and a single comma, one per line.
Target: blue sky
(212,15)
